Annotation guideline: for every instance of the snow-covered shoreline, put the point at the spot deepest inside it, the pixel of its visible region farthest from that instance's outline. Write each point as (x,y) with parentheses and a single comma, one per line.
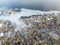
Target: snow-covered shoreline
(27,22)
(15,18)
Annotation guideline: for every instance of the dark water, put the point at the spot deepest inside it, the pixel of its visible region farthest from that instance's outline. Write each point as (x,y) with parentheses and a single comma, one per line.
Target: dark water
(41,7)
(30,7)
(34,7)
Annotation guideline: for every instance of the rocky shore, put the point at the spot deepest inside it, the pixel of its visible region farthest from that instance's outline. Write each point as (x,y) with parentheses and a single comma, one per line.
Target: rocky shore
(38,30)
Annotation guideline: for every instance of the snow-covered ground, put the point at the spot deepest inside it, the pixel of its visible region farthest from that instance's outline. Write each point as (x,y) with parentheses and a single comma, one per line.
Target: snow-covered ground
(24,12)
(15,17)
(14,23)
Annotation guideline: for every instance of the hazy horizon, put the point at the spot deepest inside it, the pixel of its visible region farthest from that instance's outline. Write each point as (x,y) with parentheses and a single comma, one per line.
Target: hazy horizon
(32,4)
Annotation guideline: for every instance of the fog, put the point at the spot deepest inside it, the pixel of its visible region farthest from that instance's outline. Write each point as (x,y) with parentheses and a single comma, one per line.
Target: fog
(42,4)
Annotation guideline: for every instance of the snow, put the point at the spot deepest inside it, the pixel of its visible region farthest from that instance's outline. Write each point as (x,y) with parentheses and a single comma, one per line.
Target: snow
(54,35)
(48,18)
(1,34)
(24,12)
(0,25)
(15,18)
